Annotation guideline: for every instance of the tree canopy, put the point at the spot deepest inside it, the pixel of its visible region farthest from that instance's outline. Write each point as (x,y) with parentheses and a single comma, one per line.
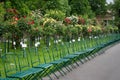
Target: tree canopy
(69,7)
(80,7)
(116,10)
(98,6)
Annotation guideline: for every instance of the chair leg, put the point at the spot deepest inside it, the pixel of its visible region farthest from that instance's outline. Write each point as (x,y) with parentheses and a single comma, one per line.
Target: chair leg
(50,77)
(67,68)
(81,61)
(55,75)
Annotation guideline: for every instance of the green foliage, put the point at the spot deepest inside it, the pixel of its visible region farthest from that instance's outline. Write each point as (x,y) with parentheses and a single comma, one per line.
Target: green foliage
(68,7)
(32,5)
(65,7)
(2,12)
(116,9)
(46,5)
(60,29)
(55,14)
(74,31)
(80,7)
(52,4)
(23,25)
(54,10)
(1,30)
(49,26)
(36,28)
(36,31)
(98,6)
(20,5)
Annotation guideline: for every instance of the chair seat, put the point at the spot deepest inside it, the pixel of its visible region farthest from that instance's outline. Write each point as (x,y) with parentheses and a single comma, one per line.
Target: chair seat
(26,73)
(57,62)
(7,79)
(70,56)
(101,46)
(64,60)
(90,49)
(79,53)
(44,66)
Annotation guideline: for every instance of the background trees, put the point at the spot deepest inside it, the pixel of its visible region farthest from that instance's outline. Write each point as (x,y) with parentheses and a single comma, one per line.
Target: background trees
(57,9)
(98,6)
(69,7)
(80,7)
(116,11)
(27,18)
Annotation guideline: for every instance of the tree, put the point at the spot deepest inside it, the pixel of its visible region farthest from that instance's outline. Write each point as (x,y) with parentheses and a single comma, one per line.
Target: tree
(12,8)
(98,6)
(65,7)
(20,5)
(80,7)
(61,5)
(2,11)
(116,8)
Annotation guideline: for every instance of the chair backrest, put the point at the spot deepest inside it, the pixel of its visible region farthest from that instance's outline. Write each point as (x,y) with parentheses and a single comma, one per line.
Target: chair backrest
(47,54)
(0,67)
(92,42)
(23,61)
(78,45)
(81,45)
(63,50)
(75,46)
(34,56)
(56,53)
(70,47)
(86,43)
(101,39)
(96,43)
(0,73)
(9,61)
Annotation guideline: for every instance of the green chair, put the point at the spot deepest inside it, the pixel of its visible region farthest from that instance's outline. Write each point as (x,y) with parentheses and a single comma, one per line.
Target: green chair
(56,55)
(10,64)
(63,51)
(24,64)
(48,58)
(78,49)
(18,67)
(66,53)
(83,49)
(38,62)
(7,79)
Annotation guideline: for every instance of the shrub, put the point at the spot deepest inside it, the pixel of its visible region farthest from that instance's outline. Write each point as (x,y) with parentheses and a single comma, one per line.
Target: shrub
(55,14)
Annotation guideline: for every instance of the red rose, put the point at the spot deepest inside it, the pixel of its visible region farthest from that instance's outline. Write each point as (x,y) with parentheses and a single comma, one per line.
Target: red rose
(67,20)
(90,30)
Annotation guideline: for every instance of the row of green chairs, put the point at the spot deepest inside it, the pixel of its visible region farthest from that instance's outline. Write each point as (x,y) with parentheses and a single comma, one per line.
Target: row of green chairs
(55,58)
(67,56)
(18,67)
(96,44)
